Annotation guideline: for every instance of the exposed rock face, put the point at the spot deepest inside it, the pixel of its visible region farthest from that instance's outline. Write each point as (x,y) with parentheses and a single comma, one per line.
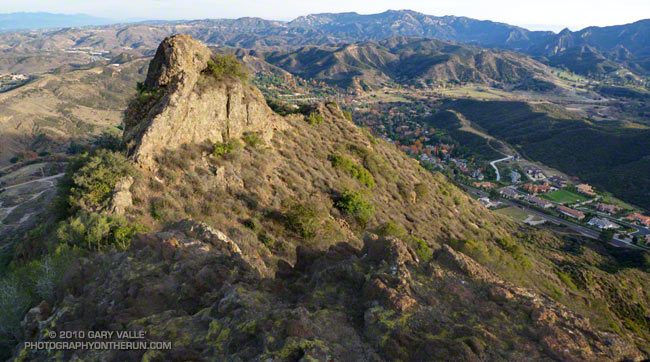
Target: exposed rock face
(122,198)
(183,104)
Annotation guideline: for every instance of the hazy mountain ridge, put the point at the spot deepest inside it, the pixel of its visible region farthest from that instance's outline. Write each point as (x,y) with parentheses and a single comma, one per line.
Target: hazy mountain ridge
(612,48)
(42,20)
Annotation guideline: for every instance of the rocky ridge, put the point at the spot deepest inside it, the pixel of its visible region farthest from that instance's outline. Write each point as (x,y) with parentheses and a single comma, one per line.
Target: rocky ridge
(240,289)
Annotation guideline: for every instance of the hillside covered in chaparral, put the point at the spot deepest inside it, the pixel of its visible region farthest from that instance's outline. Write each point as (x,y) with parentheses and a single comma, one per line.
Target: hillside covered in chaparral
(240,234)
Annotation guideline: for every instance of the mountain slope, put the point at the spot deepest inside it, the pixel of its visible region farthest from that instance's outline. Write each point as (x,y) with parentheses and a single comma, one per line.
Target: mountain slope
(305,239)
(406,61)
(52,110)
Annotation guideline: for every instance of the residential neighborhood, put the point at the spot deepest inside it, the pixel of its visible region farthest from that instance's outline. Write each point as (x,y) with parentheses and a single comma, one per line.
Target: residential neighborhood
(559,197)
(520,181)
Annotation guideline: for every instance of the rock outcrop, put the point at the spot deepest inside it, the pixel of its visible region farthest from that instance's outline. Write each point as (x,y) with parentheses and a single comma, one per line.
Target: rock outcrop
(181,103)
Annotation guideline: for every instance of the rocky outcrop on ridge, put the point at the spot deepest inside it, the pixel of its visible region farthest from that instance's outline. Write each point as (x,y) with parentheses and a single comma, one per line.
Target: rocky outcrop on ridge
(180,103)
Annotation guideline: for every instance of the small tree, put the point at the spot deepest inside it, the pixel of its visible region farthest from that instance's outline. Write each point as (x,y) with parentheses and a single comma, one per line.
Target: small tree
(228,64)
(607,235)
(355,205)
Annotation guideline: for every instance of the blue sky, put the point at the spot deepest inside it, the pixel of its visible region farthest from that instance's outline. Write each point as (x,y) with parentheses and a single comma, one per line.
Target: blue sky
(552,14)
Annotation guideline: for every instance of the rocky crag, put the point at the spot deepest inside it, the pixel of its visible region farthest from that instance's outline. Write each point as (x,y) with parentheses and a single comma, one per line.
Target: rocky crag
(181,104)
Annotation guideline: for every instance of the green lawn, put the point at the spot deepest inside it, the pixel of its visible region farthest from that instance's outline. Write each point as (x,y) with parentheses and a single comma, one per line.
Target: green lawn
(514,212)
(564,197)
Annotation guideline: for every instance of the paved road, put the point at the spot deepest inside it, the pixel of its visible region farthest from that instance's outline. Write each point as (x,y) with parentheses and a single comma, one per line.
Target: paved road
(32,181)
(494,165)
(580,229)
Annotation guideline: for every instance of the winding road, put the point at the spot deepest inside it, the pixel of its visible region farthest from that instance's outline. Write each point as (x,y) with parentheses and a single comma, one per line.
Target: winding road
(494,165)
(32,181)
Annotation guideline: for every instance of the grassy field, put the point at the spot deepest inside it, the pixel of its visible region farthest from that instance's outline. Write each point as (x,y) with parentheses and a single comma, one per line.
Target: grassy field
(383,96)
(514,212)
(564,197)
(475,92)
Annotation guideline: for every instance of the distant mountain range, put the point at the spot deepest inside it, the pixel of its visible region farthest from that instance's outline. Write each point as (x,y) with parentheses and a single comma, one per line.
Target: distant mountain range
(622,51)
(592,50)
(41,20)
(371,64)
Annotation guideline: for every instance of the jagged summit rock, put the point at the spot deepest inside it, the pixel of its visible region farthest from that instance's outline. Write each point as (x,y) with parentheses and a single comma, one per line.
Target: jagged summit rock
(182,103)
(177,56)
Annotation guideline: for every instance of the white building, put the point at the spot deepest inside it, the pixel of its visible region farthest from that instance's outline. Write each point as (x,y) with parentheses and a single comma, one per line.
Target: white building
(515,177)
(602,223)
(487,203)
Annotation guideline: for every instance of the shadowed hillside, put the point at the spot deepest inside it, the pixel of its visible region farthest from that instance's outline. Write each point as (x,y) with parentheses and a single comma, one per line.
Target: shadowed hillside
(613,158)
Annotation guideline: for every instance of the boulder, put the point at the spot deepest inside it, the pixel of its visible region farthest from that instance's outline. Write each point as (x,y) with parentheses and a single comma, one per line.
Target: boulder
(390,250)
(122,198)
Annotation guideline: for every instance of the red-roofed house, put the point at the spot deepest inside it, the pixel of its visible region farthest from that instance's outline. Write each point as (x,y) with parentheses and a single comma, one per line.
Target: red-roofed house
(610,209)
(586,189)
(484,185)
(536,189)
(539,202)
(571,212)
(645,220)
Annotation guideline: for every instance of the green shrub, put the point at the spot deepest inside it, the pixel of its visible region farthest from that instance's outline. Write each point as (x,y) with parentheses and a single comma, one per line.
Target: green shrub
(24,286)
(515,250)
(353,169)
(93,231)
(145,94)
(266,240)
(109,141)
(476,249)
(566,279)
(220,148)
(162,209)
(90,180)
(302,218)
(421,191)
(422,249)
(315,118)
(366,132)
(252,139)
(372,161)
(282,108)
(347,115)
(15,300)
(391,229)
(253,224)
(354,204)
(228,64)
